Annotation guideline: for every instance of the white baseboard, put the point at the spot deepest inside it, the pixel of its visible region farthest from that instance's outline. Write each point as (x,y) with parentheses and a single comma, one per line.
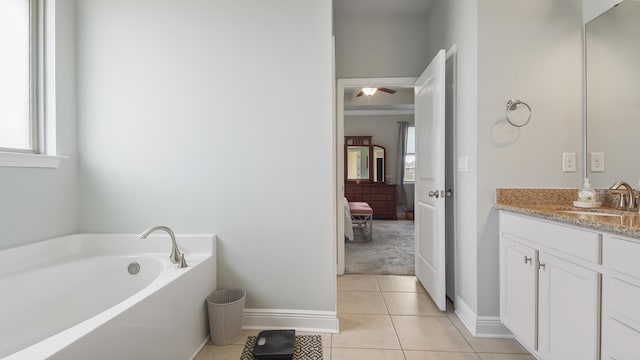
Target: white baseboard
(481,326)
(202,344)
(466,315)
(300,320)
(491,326)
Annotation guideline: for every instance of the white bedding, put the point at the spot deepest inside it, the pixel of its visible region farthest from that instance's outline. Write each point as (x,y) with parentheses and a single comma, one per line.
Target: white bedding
(348,225)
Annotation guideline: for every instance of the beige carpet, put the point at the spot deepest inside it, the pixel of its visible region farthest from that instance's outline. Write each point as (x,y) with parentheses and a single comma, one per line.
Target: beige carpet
(391,252)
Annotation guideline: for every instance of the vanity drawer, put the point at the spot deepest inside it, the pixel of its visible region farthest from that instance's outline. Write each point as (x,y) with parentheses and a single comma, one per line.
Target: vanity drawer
(620,341)
(623,298)
(576,242)
(622,255)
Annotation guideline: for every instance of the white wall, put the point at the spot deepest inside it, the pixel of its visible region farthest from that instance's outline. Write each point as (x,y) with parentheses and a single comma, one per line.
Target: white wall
(532,51)
(380,47)
(192,115)
(36,204)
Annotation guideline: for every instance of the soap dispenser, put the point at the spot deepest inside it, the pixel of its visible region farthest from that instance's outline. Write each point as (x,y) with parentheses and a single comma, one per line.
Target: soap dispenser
(586,193)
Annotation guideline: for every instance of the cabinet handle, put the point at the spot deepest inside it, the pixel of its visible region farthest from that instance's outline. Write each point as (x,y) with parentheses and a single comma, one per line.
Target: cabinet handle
(527,260)
(542,266)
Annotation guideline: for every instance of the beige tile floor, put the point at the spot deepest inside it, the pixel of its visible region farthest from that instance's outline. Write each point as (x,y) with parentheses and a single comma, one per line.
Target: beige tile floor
(387,317)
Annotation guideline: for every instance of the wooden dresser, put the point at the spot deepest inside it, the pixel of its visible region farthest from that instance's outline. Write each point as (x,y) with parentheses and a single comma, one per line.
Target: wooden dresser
(381,198)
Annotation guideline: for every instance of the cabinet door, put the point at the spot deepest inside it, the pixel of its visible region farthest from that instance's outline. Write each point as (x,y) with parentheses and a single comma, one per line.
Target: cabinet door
(569,310)
(518,291)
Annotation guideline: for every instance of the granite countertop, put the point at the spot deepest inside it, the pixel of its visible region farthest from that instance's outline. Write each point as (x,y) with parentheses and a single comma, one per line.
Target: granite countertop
(553,204)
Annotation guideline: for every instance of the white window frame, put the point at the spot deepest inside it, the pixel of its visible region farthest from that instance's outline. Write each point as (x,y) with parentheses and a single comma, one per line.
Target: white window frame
(42,91)
(405,158)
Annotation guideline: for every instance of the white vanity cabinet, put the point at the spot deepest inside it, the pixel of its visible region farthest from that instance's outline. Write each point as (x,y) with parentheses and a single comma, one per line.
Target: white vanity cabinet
(621,298)
(550,287)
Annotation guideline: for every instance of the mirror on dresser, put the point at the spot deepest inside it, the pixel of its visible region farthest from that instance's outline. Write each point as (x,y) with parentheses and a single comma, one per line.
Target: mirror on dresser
(365,165)
(613,96)
(364,161)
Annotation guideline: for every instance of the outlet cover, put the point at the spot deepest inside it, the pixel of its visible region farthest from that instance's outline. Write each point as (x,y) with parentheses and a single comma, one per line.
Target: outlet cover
(597,162)
(568,162)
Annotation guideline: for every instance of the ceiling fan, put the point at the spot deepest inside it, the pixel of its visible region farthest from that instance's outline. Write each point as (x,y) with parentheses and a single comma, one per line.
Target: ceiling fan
(371,91)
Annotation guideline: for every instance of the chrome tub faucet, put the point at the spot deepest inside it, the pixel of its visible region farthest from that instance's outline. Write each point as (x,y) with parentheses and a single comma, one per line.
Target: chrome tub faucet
(176,256)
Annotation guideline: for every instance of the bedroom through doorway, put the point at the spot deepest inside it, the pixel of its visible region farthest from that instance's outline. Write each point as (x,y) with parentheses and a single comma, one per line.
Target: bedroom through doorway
(379,171)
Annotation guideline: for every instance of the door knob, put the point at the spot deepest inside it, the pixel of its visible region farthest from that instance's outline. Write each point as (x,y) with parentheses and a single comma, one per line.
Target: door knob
(448,193)
(435,194)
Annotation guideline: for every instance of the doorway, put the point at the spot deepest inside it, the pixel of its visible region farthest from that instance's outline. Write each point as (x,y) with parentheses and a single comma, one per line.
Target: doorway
(350,87)
(378,132)
(450,183)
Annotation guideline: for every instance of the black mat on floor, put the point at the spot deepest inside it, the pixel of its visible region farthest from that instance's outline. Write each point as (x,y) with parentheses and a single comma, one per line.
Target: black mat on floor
(308,347)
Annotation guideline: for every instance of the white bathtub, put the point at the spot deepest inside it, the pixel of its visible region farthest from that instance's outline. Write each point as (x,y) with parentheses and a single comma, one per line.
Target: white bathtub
(74,298)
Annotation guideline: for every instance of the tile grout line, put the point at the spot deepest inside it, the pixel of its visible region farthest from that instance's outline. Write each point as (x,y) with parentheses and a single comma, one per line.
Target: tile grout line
(390,318)
(392,324)
(464,337)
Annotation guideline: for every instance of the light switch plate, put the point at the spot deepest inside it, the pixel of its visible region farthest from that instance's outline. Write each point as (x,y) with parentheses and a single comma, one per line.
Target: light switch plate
(463,164)
(568,162)
(597,162)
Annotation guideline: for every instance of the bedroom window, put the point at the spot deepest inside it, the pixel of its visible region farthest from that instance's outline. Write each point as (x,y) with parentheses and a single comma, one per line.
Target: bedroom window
(410,156)
(27,85)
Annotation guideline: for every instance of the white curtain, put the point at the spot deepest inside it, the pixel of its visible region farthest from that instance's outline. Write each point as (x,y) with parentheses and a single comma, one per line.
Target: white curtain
(401,197)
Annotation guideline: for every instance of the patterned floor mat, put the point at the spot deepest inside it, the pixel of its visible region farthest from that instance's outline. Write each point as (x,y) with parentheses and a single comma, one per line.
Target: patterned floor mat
(308,347)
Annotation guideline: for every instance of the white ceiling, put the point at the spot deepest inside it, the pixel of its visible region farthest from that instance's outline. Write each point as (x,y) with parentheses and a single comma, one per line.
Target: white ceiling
(380,8)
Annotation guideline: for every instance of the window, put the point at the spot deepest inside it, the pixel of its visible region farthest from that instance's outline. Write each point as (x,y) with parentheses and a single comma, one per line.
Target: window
(410,156)
(27,85)
(18,82)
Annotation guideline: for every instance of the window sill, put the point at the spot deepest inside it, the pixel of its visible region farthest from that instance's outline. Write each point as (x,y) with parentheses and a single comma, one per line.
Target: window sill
(8,159)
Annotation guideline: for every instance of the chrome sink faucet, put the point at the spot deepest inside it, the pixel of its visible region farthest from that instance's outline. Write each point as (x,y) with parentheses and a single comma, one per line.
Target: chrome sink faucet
(176,256)
(628,198)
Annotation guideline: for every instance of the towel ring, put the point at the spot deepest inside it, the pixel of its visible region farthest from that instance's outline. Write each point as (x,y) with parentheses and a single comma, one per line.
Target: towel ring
(512,105)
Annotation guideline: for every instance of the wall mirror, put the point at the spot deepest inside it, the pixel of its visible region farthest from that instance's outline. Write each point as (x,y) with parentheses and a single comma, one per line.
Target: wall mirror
(613,96)
(364,162)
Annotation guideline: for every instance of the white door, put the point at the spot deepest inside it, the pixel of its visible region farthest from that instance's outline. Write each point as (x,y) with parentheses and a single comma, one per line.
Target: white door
(430,172)
(518,290)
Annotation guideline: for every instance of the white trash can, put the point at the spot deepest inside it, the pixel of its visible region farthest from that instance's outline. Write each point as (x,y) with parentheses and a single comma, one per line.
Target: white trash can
(226,311)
